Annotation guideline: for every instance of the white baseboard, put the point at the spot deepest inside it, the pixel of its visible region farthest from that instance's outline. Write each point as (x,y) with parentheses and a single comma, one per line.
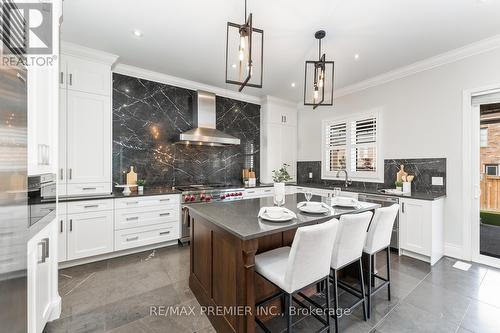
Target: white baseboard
(454,251)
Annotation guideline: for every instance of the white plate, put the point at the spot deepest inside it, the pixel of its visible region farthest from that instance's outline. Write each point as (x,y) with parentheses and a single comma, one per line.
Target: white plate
(304,207)
(345,202)
(285,217)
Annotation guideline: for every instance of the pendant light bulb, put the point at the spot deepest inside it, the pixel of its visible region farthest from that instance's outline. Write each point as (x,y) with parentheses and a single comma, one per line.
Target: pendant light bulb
(316,93)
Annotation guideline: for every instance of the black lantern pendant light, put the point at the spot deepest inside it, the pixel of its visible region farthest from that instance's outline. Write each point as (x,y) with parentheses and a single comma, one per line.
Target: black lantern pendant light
(244,53)
(318,85)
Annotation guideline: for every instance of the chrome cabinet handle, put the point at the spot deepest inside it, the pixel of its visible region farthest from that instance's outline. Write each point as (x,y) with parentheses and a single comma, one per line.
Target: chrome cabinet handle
(133,203)
(250,192)
(61,79)
(91,206)
(89,188)
(164,214)
(164,233)
(129,239)
(47,247)
(45,250)
(403,207)
(162,200)
(70,173)
(132,218)
(61,226)
(70,79)
(42,258)
(71,225)
(61,172)
(267,190)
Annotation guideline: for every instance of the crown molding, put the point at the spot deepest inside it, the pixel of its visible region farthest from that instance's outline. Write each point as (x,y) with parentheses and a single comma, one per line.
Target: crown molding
(275,100)
(470,50)
(80,51)
(183,83)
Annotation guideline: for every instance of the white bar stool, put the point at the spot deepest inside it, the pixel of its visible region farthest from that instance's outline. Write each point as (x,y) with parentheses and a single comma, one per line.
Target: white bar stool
(303,264)
(347,249)
(379,238)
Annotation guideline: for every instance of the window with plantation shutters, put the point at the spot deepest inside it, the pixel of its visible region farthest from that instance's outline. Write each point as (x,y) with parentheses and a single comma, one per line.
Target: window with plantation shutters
(352,144)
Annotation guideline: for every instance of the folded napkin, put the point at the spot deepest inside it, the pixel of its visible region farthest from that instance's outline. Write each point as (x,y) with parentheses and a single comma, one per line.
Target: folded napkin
(285,210)
(323,204)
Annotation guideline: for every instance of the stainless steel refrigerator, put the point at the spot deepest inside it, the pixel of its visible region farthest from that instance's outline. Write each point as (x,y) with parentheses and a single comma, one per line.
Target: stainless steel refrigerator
(14,218)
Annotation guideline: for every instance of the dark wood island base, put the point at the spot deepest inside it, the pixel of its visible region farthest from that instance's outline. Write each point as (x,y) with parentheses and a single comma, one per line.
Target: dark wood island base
(222,274)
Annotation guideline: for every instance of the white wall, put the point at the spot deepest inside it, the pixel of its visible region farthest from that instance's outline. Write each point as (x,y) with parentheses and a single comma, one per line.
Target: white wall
(422,117)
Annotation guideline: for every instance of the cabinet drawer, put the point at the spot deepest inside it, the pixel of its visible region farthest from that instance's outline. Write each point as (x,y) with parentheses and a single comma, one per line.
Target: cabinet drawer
(259,192)
(88,189)
(155,200)
(89,206)
(141,217)
(130,238)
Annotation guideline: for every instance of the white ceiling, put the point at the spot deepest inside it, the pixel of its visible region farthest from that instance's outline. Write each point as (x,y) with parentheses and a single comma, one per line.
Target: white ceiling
(186,38)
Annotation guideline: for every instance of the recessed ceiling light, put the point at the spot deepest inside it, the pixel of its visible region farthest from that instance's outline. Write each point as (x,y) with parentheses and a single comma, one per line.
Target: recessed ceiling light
(137,33)
(233,65)
(356,56)
(293,84)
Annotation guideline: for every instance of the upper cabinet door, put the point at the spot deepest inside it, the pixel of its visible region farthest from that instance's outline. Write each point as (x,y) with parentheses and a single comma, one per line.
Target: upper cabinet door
(62,171)
(89,138)
(88,76)
(289,149)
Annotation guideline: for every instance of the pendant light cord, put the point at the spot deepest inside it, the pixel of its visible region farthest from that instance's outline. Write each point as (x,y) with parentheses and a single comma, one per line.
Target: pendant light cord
(245,19)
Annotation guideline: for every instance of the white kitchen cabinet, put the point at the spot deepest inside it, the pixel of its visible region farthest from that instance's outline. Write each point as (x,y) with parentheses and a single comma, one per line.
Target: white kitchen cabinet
(421,229)
(43,298)
(85,116)
(86,76)
(89,234)
(88,138)
(258,192)
(278,138)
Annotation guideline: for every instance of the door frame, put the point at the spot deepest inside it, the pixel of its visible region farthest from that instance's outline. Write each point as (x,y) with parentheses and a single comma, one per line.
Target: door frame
(471,176)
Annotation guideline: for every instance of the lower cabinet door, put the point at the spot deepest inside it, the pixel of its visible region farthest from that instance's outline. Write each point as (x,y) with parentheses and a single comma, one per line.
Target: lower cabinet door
(89,234)
(415,219)
(62,227)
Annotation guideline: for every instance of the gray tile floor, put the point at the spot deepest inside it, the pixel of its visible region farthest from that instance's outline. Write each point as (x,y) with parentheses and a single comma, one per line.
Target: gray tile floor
(115,296)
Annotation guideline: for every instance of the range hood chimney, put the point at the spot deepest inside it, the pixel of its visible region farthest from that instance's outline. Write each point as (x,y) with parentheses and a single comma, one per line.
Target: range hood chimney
(204,131)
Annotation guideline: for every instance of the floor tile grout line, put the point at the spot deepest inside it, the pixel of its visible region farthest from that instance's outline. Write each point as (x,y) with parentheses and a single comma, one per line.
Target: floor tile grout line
(463,317)
(378,324)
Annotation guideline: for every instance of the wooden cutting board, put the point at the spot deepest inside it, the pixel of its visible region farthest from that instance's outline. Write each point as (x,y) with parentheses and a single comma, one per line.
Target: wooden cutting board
(131,177)
(401,173)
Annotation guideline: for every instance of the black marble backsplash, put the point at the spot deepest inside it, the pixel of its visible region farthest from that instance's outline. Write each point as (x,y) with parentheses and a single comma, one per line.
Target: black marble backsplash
(147,120)
(423,169)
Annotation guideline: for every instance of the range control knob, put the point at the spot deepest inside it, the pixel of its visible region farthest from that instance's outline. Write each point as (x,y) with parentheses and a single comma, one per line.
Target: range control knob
(192,198)
(222,197)
(202,197)
(186,198)
(208,198)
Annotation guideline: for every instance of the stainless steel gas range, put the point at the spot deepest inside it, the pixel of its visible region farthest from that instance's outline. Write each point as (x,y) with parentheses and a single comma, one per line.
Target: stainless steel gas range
(205,193)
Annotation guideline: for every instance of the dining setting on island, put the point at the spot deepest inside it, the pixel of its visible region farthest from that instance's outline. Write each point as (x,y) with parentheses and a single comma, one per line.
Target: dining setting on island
(256,252)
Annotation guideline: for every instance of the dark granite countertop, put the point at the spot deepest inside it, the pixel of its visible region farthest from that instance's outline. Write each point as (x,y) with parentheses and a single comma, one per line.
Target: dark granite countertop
(118,193)
(414,195)
(241,217)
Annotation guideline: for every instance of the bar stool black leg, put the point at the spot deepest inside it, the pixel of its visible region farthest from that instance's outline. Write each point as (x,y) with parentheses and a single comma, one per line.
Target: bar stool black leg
(288,305)
(335,301)
(362,282)
(328,303)
(370,277)
(389,273)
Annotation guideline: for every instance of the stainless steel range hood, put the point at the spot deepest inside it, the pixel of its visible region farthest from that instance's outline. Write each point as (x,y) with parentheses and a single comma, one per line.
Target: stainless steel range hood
(204,131)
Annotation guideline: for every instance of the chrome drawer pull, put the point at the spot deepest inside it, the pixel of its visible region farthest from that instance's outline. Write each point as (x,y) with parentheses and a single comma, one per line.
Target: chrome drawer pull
(132,218)
(164,214)
(91,206)
(89,188)
(133,203)
(132,238)
(162,200)
(267,190)
(164,233)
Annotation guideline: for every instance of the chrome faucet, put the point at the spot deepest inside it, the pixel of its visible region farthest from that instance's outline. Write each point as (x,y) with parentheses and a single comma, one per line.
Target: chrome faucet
(347,180)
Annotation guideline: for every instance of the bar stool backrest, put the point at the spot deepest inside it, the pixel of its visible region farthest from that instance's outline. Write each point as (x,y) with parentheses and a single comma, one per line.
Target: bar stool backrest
(380,231)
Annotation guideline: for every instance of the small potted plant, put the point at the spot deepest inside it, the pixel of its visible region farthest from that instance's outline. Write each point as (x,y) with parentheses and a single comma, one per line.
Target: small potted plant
(399,186)
(140,185)
(280,177)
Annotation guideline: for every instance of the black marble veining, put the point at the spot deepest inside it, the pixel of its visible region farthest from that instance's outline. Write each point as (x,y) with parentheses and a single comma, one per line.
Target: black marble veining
(147,120)
(423,169)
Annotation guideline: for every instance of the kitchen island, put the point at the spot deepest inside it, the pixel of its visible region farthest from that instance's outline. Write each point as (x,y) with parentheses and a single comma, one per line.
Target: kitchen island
(225,237)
